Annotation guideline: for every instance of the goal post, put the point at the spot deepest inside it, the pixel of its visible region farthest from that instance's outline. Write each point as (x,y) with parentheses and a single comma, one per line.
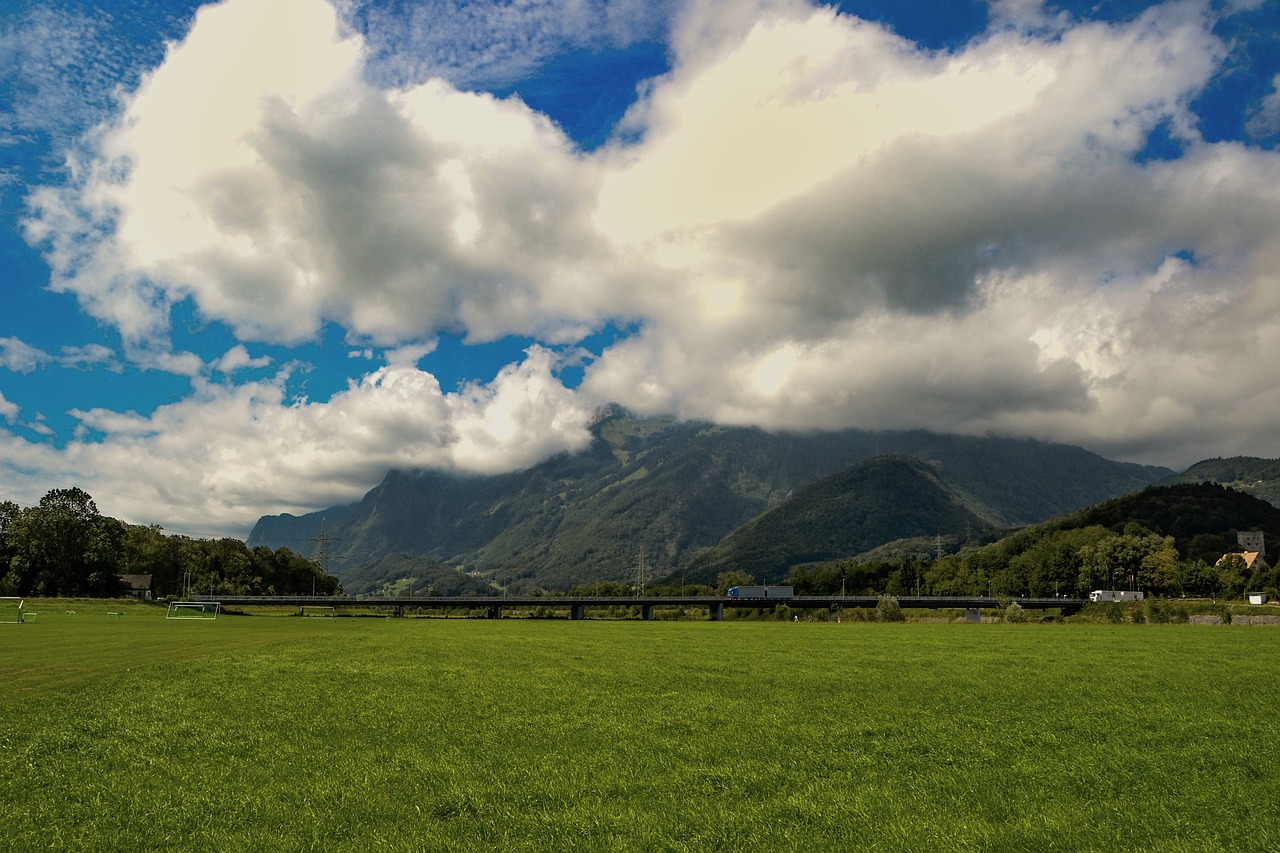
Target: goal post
(10,610)
(205,610)
(317,610)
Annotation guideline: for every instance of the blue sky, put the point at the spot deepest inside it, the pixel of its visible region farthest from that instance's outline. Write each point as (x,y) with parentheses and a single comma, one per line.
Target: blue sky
(254,255)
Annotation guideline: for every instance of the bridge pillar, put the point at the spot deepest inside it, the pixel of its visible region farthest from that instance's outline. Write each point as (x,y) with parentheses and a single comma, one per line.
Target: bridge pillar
(972,614)
(716,613)
(646,612)
(495,613)
(578,611)
(400,610)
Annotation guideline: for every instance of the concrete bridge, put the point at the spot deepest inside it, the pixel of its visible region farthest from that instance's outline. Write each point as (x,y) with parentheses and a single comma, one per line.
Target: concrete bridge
(577,606)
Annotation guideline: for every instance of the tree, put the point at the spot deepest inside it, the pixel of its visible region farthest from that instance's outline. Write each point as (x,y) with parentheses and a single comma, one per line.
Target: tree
(8,514)
(1196,577)
(1116,562)
(726,580)
(148,551)
(1159,569)
(64,547)
(1232,575)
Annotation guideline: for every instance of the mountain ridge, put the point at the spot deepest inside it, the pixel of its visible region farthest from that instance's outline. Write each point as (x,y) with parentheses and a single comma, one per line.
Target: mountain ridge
(671,490)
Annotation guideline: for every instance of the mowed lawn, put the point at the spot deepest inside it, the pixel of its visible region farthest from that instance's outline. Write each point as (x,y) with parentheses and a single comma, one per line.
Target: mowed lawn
(262,733)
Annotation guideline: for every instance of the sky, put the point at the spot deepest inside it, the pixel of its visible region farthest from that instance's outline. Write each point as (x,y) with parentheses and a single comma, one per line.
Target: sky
(255,254)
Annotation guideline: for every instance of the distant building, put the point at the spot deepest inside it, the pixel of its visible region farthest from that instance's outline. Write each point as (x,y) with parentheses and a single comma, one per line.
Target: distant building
(1253,561)
(1251,540)
(139,586)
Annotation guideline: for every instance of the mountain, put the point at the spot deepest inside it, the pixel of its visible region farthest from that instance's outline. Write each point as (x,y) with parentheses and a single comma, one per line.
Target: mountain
(1248,474)
(1201,517)
(882,500)
(670,490)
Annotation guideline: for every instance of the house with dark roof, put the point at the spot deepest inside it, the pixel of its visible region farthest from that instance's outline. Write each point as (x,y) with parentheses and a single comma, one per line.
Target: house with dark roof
(139,586)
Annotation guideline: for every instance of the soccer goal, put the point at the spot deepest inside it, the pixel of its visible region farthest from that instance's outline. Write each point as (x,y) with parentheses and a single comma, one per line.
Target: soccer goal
(207,610)
(317,610)
(10,610)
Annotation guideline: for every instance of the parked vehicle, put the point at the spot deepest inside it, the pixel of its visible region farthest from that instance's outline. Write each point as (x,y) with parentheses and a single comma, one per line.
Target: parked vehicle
(1115,595)
(769,592)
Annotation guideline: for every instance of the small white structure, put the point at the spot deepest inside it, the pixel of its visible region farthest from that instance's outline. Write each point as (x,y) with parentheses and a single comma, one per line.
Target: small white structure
(1257,598)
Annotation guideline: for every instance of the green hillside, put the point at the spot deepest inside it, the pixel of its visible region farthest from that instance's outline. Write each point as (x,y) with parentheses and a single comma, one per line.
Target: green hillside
(1203,518)
(669,490)
(1164,540)
(1248,474)
(881,500)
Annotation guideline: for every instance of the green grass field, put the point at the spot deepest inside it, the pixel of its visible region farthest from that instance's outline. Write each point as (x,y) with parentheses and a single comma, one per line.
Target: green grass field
(137,733)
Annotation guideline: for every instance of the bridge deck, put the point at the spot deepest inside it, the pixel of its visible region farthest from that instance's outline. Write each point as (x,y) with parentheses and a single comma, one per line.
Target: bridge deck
(806,602)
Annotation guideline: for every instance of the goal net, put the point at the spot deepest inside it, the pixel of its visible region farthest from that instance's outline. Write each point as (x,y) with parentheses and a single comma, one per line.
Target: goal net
(317,610)
(10,610)
(193,610)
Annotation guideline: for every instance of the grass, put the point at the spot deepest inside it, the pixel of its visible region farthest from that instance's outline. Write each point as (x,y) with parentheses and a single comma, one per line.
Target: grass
(139,733)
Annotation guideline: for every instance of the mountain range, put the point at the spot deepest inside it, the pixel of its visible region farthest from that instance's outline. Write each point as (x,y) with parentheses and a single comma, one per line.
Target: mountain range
(694,498)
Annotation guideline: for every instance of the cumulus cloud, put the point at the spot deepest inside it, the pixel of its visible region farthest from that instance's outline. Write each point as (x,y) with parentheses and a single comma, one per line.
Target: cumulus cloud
(21,357)
(871,234)
(9,411)
(1265,121)
(217,460)
(811,221)
(281,192)
(238,358)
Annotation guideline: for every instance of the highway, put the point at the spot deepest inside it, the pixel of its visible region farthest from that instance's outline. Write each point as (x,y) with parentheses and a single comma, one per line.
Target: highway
(493,606)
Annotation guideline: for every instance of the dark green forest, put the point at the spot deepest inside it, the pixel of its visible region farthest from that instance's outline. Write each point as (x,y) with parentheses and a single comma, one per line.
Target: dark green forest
(64,547)
(1166,541)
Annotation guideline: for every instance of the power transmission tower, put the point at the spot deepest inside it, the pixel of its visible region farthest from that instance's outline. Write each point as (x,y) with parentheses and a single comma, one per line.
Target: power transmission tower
(642,573)
(322,549)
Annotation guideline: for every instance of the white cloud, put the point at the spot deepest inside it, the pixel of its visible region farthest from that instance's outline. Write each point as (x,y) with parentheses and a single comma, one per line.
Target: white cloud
(865,233)
(238,358)
(1265,120)
(9,411)
(815,223)
(21,357)
(279,193)
(492,44)
(214,462)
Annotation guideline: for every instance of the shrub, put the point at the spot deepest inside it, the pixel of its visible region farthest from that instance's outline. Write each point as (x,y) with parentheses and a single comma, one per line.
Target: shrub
(1158,611)
(888,609)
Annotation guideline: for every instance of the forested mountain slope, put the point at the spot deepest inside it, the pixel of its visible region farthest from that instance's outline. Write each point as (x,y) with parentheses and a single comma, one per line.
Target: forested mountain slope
(669,490)
(1248,474)
(877,501)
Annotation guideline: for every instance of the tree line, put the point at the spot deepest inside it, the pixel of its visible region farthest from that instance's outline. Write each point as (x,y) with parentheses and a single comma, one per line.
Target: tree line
(65,547)
(1068,563)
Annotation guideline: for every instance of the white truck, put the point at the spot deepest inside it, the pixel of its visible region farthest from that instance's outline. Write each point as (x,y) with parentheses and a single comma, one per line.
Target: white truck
(1115,595)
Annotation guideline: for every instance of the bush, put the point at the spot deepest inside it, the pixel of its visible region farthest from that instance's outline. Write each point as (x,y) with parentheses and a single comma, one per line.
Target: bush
(888,609)
(1158,611)
(1015,613)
